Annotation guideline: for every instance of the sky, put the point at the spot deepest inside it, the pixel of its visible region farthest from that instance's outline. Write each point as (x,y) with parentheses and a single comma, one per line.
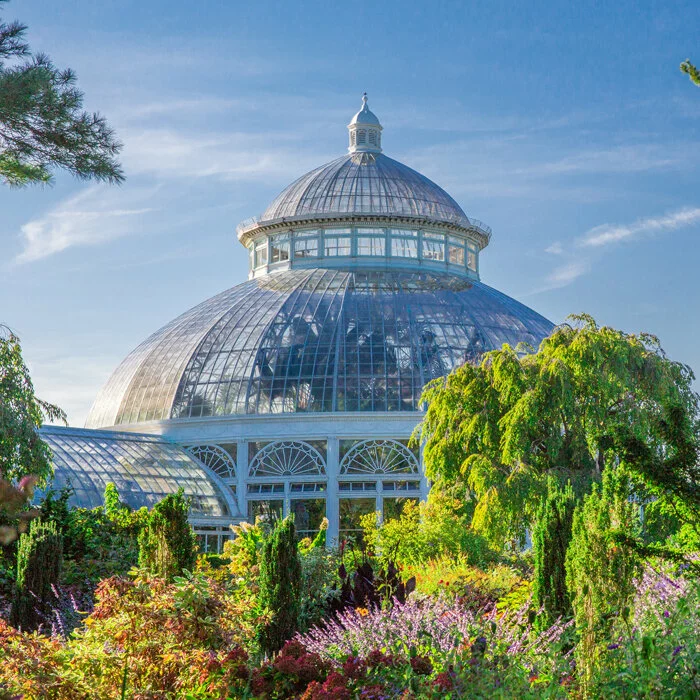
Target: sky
(567,127)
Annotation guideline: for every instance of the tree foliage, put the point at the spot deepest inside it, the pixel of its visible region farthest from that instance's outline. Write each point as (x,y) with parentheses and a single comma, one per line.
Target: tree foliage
(551,537)
(39,558)
(590,397)
(22,451)
(42,122)
(691,71)
(167,543)
(280,585)
(600,574)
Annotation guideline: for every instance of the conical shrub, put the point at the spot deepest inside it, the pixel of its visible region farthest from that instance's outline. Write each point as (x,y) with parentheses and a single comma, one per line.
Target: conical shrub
(39,560)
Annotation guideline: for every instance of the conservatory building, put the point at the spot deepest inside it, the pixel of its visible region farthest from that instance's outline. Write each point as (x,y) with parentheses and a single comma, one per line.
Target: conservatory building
(297,390)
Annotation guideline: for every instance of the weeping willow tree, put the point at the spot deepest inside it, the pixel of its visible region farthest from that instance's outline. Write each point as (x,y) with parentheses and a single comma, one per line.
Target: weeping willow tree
(591,397)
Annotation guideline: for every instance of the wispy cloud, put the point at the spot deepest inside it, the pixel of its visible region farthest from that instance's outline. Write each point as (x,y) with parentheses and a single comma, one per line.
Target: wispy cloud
(555,249)
(566,274)
(93,216)
(172,153)
(607,234)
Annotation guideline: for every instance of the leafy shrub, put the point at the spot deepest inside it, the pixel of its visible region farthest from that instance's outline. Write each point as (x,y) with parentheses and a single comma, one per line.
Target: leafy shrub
(34,667)
(653,651)
(436,646)
(436,528)
(39,559)
(166,639)
(167,543)
(475,588)
(319,585)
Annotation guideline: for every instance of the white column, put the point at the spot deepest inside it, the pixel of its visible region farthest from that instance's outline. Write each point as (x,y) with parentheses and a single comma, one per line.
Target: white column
(332,469)
(242,476)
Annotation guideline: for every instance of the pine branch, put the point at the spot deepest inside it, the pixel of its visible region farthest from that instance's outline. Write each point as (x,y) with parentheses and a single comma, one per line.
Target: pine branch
(691,71)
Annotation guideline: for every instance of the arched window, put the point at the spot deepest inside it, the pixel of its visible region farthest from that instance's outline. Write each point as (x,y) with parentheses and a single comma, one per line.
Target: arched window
(375,476)
(288,477)
(294,458)
(216,458)
(386,457)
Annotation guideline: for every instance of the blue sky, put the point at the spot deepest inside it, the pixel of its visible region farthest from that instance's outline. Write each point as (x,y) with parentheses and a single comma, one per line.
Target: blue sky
(565,126)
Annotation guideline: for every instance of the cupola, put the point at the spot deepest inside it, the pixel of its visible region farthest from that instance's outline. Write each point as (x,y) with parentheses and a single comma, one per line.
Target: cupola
(365,131)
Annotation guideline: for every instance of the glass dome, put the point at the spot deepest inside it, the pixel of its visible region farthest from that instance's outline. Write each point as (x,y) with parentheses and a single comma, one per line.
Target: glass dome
(313,340)
(365,183)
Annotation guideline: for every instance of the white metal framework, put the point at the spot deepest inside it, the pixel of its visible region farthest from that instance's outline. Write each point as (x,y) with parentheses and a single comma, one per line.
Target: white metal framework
(282,459)
(379,457)
(216,458)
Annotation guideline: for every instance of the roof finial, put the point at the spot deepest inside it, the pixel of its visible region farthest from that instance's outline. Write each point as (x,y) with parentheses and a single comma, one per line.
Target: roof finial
(364,100)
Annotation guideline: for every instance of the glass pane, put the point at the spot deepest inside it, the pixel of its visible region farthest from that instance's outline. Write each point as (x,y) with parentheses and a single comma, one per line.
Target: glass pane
(404,248)
(370,245)
(338,246)
(270,510)
(433,248)
(308,514)
(393,507)
(351,510)
(471,260)
(261,254)
(306,247)
(456,254)
(280,248)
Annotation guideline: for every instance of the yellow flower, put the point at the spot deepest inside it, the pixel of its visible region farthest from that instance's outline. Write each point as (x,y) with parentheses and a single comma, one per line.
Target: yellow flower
(362,611)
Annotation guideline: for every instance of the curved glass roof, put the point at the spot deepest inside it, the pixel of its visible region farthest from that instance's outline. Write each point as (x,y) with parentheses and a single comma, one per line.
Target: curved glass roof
(144,469)
(313,340)
(365,183)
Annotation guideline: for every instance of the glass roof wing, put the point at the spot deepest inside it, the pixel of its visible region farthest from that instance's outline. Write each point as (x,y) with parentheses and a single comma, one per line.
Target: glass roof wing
(144,469)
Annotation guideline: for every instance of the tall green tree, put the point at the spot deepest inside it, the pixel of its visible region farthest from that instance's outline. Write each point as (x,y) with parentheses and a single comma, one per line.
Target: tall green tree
(551,537)
(590,397)
(42,122)
(22,451)
(24,456)
(280,585)
(600,574)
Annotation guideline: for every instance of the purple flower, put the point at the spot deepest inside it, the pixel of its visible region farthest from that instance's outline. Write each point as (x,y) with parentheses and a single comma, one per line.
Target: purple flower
(667,613)
(677,650)
(613,646)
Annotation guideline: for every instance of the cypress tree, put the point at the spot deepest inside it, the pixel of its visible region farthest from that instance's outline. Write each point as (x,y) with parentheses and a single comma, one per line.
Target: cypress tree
(280,585)
(551,538)
(600,574)
(167,543)
(39,559)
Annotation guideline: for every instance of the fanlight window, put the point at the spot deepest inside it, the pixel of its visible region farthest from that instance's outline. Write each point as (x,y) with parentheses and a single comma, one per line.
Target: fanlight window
(216,458)
(379,457)
(287,459)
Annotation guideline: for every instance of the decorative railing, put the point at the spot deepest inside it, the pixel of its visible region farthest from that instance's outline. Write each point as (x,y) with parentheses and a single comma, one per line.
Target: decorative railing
(474,224)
